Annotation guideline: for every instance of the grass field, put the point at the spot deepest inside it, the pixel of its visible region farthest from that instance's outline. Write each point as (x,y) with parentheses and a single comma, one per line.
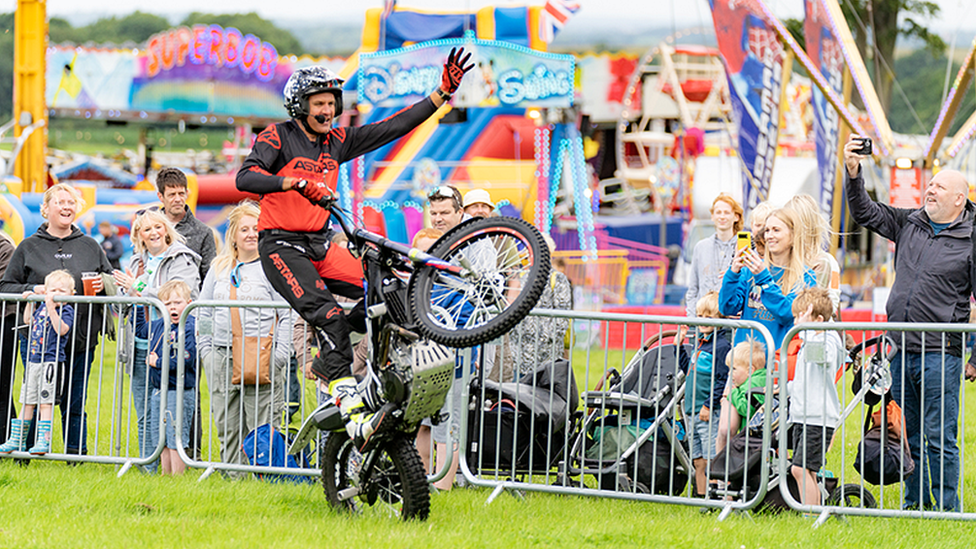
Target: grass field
(49,504)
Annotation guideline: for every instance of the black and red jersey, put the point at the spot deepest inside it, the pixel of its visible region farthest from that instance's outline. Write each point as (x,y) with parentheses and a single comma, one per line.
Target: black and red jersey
(284,150)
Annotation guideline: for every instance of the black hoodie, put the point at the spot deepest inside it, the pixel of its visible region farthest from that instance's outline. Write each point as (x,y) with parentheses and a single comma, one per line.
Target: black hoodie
(40,254)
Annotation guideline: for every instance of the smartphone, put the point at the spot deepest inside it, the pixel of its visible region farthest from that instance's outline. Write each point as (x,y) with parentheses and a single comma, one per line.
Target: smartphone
(743,240)
(865,149)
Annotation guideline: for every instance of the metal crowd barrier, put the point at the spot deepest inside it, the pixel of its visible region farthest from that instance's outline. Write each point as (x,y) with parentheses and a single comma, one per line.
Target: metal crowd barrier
(939,478)
(96,421)
(615,431)
(612,425)
(230,411)
(224,436)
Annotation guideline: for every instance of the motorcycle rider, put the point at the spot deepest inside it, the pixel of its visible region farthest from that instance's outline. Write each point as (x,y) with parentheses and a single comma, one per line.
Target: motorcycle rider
(303,155)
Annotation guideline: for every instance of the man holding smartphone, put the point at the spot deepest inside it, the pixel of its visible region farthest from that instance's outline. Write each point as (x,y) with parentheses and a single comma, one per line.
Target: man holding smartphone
(934,278)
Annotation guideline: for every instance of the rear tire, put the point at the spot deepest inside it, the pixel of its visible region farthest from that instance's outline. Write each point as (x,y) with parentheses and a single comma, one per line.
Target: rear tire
(852,495)
(397,480)
(512,262)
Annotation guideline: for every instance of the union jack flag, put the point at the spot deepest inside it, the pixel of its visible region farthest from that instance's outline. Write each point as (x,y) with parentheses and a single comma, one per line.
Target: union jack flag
(388,6)
(554,17)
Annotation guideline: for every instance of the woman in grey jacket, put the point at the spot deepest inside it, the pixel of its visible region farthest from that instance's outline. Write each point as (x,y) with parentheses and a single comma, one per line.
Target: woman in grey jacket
(239,408)
(160,256)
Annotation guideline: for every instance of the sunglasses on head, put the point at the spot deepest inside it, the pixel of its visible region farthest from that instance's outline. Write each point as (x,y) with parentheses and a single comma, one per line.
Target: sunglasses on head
(445,191)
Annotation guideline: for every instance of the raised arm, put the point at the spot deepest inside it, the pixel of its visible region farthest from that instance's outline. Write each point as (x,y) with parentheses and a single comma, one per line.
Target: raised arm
(880,218)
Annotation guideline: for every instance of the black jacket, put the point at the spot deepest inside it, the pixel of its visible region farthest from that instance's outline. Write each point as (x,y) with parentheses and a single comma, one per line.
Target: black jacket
(40,254)
(934,273)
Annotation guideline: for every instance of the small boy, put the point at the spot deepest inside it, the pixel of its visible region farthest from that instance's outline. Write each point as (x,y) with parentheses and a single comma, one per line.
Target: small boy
(704,387)
(50,325)
(814,410)
(175,296)
(748,360)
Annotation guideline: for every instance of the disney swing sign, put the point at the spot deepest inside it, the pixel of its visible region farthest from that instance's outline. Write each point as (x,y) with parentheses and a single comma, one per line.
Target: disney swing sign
(505,75)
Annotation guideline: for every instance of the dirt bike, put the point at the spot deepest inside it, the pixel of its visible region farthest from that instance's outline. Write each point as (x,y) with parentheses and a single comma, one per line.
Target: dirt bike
(475,284)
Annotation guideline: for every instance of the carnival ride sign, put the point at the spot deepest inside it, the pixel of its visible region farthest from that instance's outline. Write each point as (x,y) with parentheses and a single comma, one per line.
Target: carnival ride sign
(505,75)
(204,73)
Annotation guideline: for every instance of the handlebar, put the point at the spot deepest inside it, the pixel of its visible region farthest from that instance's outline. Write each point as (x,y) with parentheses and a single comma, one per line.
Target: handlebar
(360,236)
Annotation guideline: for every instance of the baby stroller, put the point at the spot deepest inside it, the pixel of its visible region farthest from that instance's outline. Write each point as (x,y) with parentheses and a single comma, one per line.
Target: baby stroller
(630,439)
(737,466)
(521,428)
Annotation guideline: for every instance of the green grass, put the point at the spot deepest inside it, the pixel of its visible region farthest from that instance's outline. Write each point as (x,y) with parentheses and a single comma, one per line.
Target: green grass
(49,504)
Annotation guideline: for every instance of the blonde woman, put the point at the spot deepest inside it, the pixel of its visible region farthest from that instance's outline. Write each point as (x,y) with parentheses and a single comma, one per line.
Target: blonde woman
(159,256)
(238,408)
(763,289)
(59,244)
(814,241)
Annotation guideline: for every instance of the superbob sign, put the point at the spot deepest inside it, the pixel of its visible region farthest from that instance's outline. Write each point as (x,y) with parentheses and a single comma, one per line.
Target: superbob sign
(504,75)
(210,45)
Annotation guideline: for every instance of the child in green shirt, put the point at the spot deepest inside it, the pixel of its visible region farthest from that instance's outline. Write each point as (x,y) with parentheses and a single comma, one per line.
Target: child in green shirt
(748,370)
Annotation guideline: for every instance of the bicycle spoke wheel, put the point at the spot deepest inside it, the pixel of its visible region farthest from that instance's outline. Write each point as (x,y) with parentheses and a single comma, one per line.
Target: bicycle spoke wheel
(508,266)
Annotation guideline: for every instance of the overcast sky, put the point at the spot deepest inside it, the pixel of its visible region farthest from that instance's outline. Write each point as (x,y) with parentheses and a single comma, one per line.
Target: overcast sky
(956,14)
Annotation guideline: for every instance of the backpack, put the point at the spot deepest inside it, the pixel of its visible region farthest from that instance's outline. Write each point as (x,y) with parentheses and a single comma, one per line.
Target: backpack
(883,456)
(265,446)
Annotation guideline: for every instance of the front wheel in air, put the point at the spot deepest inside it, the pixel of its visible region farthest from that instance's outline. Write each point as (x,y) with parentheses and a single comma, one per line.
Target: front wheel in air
(508,264)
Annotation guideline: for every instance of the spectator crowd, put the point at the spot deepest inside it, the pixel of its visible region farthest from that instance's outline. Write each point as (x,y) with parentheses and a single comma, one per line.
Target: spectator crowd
(778,274)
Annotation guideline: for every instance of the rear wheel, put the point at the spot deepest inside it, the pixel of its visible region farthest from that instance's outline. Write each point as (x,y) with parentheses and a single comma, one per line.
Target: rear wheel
(852,495)
(509,262)
(396,481)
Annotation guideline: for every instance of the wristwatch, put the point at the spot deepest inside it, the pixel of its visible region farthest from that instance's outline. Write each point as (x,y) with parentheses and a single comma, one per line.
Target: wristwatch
(444,95)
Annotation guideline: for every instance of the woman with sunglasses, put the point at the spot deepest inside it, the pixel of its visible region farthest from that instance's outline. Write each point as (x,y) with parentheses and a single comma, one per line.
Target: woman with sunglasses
(59,244)
(240,408)
(159,256)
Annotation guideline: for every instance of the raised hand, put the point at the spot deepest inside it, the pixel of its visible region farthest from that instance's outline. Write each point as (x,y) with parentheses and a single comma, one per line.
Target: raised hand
(454,70)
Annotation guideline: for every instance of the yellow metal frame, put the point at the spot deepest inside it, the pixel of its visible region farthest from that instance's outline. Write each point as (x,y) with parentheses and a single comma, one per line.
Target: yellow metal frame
(963,78)
(860,73)
(30,45)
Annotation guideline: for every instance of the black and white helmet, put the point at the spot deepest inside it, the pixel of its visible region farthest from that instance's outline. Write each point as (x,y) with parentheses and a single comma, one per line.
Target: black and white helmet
(308,81)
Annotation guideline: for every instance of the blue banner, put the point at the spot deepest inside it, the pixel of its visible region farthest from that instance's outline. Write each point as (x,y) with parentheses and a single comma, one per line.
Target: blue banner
(824,50)
(753,57)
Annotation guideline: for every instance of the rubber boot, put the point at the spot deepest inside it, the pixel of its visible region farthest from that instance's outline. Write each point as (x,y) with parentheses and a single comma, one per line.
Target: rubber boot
(18,436)
(43,444)
(360,424)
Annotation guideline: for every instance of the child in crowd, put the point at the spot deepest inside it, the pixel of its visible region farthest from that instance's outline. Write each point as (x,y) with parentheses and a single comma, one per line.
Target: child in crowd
(814,410)
(175,296)
(704,387)
(49,327)
(748,361)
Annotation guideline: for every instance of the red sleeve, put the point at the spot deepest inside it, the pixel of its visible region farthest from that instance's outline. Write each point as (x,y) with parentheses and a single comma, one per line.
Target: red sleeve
(256,173)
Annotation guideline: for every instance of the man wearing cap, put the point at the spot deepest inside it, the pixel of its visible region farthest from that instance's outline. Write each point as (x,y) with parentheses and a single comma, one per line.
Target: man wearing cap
(477,203)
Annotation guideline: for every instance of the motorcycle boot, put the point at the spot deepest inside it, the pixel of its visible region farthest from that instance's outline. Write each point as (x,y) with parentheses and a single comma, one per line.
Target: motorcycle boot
(360,424)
